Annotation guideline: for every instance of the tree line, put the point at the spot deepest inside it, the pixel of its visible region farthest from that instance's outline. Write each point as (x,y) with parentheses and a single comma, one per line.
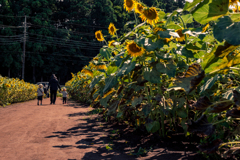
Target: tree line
(60,34)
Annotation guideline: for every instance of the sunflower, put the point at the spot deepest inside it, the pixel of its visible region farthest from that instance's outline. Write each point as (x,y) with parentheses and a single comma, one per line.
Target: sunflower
(181,35)
(101,66)
(87,71)
(129,5)
(112,29)
(95,58)
(150,14)
(205,28)
(111,43)
(91,65)
(156,29)
(99,35)
(233,2)
(109,92)
(235,8)
(168,39)
(134,50)
(139,8)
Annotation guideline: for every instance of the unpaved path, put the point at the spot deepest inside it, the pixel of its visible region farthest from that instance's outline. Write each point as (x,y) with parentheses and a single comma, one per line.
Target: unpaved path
(62,132)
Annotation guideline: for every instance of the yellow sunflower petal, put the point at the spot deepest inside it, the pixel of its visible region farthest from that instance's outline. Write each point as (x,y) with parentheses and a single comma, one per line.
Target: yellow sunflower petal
(99,35)
(101,66)
(233,2)
(205,28)
(150,15)
(88,72)
(111,29)
(129,5)
(134,50)
(111,43)
(181,35)
(139,8)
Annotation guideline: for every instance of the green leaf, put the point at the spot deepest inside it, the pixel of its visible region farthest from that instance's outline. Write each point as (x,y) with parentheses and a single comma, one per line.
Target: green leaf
(111,69)
(209,83)
(235,17)
(228,95)
(104,101)
(155,127)
(127,67)
(95,81)
(225,29)
(119,115)
(105,52)
(174,26)
(210,10)
(149,126)
(149,45)
(188,6)
(152,75)
(187,53)
(169,68)
(136,101)
(188,18)
(110,82)
(113,107)
(161,15)
(182,113)
(146,109)
(119,58)
(164,34)
(171,16)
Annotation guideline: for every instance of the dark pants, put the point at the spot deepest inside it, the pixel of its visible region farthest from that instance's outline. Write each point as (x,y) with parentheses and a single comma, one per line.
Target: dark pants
(64,99)
(53,94)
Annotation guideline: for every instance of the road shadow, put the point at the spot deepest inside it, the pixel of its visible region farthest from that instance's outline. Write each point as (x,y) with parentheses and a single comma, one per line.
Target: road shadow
(119,141)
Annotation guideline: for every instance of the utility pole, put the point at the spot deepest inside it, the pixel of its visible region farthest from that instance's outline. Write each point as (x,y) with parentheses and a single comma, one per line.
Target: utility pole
(24,47)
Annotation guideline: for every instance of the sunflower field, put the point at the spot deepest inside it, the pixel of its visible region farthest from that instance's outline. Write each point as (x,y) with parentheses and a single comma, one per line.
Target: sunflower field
(14,90)
(165,74)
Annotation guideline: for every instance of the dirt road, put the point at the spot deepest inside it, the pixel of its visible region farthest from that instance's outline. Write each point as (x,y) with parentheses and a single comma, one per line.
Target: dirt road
(64,132)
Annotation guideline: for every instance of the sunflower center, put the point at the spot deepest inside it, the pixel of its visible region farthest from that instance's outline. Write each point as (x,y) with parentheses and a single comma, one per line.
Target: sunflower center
(180,33)
(129,3)
(150,14)
(99,36)
(139,7)
(112,29)
(134,48)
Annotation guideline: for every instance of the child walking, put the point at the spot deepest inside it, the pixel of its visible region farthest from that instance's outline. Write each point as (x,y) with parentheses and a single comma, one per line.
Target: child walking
(40,93)
(64,94)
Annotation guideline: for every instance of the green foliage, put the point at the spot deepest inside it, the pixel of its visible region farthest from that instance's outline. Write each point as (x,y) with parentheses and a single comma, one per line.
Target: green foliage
(155,75)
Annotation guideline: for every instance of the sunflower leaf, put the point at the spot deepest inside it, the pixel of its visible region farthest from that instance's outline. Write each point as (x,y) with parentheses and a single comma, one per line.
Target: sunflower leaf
(210,147)
(188,6)
(127,67)
(201,126)
(209,83)
(110,82)
(225,29)
(210,10)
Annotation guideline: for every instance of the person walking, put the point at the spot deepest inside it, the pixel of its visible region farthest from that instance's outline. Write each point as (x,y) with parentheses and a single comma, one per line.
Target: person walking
(64,94)
(53,85)
(40,93)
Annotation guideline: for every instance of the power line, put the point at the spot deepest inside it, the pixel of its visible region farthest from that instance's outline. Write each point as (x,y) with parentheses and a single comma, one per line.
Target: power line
(63,39)
(57,21)
(79,56)
(67,46)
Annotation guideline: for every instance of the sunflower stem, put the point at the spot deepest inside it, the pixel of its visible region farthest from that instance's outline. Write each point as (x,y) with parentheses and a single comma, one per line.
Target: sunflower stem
(135,18)
(185,27)
(116,34)
(224,120)
(106,42)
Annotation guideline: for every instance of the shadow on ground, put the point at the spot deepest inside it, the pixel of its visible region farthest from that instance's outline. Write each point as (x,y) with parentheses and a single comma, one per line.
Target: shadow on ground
(118,141)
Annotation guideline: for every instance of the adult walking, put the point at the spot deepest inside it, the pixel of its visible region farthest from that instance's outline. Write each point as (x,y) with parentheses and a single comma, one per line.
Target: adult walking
(54,85)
